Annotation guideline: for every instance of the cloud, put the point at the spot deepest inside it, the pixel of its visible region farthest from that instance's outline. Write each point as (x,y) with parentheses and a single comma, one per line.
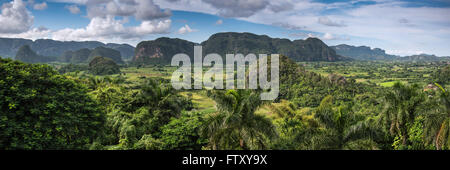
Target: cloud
(34,33)
(238,8)
(219,22)
(108,19)
(280,6)
(74,9)
(81,2)
(15,18)
(403,21)
(186,29)
(328,36)
(147,10)
(302,35)
(41,6)
(141,9)
(289,26)
(109,29)
(328,22)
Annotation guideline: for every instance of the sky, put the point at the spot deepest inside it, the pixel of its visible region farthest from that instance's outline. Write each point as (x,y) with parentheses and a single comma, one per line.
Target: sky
(401,27)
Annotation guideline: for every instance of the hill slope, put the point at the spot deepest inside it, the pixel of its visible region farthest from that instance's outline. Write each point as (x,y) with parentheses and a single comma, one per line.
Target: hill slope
(163,49)
(362,52)
(86,55)
(27,55)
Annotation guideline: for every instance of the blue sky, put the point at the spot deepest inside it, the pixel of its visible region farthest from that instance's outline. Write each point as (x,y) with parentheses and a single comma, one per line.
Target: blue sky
(402,27)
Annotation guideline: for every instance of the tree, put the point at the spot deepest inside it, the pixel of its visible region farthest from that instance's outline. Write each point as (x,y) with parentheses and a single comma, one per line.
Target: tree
(437,120)
(40,109)
(235,125)
(183,133)
(135,119)
(343,127)
(401,105)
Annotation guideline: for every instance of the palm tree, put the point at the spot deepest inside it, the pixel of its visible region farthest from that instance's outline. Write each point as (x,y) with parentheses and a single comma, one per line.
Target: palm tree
(236,125)
(343,127)
(437,122)
(401,105)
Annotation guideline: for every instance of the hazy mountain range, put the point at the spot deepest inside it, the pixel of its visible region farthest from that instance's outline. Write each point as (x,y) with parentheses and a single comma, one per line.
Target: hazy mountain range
(47,47)
(161,50)
(367,53)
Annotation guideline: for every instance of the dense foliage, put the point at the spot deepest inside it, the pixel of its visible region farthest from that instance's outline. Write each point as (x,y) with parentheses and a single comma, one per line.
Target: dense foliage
(322,105)
(40,109)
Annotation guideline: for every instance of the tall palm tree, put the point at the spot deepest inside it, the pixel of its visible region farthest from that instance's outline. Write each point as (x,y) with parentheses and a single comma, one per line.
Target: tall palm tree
(342,127)
(235,125)
(401,105)
(437,122)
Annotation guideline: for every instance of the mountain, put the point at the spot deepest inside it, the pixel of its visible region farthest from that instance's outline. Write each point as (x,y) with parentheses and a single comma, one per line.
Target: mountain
(26,54)
(10,46)
(423,57)
(162,50)
(106,52)
(78,56)
(311,49)
(362,52)
(47,47)
(86,55)
(126,50)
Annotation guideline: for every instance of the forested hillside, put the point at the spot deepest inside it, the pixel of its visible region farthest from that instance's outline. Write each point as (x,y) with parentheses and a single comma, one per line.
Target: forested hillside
(103,106)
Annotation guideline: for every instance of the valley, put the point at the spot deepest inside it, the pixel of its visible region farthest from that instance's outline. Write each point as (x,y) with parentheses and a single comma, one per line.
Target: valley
(326,101)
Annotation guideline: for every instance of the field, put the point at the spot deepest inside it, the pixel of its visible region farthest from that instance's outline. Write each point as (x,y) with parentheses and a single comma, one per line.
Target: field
(380,73)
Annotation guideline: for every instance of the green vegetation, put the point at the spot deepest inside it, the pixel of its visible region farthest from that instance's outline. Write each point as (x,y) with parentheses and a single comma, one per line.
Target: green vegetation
(41,109)
(356,105)
(103,66)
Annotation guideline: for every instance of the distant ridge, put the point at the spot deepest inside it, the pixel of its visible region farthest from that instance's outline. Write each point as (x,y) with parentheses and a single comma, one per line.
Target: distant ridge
(47,47)
(368,54)
(362,52)
(26,54)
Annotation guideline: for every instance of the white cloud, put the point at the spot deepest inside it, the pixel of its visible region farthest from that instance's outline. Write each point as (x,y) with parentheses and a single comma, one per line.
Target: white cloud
(219,22)
(328,36)
(33,34)
(328,22)
(111,30)
(71,1)
(238,8)
(15,18)
(141,9)
(74,9)
(186,29)
(104,25)
(41,6)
